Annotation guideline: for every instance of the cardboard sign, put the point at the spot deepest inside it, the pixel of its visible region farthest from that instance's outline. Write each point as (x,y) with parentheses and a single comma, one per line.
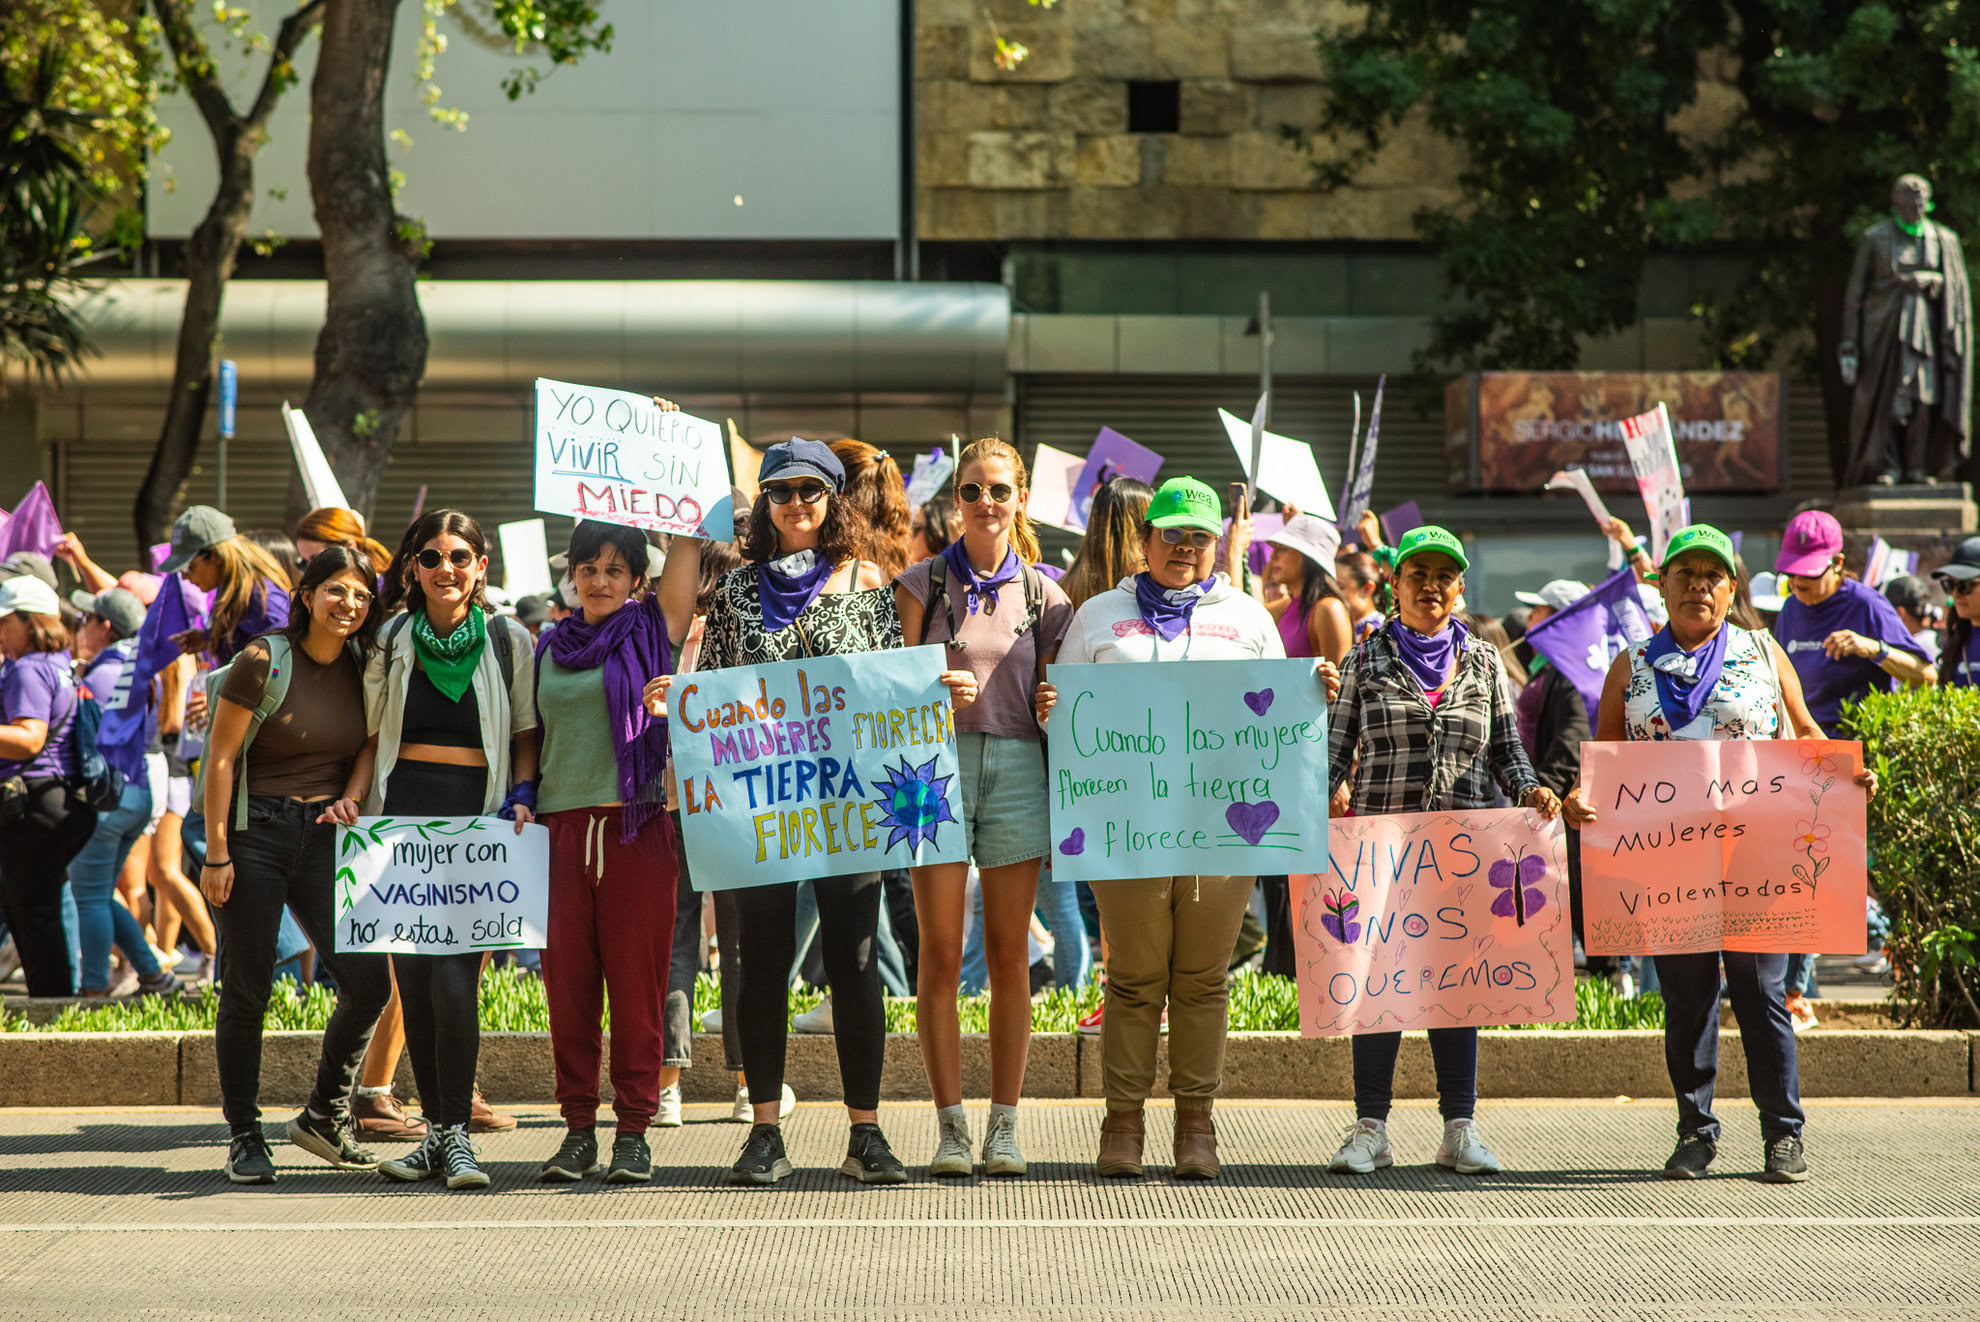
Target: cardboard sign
(1436,920)
(816,768)
(1653,454)
(1190,768)
(1723,845)
(1286,469)
(442,885)
(1054,475)
(615,456)
(1112,455)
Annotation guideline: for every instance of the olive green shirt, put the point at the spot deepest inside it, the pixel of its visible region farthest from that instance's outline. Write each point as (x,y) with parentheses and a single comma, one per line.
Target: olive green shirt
(579,768)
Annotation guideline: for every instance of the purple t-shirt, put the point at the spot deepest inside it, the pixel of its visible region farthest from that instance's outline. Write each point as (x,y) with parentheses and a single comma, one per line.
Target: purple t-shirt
(103,673)
(1826,683)
(267,610)
(1966,668)
(38,687)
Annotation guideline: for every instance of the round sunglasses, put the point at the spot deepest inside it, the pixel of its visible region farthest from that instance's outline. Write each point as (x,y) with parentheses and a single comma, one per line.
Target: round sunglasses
(460,557)
(1200,541)
(971,492)
(782,493)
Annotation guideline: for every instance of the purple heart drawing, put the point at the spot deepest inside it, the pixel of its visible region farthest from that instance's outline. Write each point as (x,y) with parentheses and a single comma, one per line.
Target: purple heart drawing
(1252,820)
(1260,702)
(1075,843)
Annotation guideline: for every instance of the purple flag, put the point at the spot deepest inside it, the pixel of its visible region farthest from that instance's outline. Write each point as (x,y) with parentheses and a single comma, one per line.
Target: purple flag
(1584,638)
(121,736)
(33,525)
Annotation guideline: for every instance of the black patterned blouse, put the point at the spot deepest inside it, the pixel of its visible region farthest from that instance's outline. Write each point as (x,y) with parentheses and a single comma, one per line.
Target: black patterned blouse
(834,624)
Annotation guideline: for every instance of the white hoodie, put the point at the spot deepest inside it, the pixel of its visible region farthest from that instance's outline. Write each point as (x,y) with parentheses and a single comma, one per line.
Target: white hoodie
(1227,625)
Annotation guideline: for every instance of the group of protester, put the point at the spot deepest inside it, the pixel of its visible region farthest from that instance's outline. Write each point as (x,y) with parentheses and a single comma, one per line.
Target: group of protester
(345,680)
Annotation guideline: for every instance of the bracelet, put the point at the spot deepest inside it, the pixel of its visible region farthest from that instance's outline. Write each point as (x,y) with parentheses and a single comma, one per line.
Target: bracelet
(223,863)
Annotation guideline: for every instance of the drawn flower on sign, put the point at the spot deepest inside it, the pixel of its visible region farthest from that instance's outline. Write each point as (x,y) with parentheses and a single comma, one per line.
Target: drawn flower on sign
(913,802)
(1340,920)
(1816,760)
(1811,838)
(1517,880)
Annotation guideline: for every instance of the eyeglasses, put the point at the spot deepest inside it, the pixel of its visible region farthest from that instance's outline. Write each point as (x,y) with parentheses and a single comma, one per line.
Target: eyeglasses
(1201,541)
(971,492)
(460,557)
(780,493)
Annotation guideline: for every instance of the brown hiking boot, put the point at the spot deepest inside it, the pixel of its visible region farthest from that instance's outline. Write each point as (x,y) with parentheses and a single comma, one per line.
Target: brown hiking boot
(1196,1146)
(1120,1144)
(381,1119)
(485,1119)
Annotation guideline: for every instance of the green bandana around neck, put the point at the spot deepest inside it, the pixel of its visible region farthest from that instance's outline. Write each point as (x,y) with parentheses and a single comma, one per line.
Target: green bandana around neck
(449,662)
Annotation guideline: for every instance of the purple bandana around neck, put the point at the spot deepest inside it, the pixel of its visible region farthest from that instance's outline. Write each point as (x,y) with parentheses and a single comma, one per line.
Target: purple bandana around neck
(788,586)
(631,645)
(1685,680)
(1429,656)
(980,591)
(1167,610)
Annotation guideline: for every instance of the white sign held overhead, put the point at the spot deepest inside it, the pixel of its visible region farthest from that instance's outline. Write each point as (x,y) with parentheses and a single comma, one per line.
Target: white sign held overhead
(1054,473)
(616,456)
(1577,480)
(1285,469)
(1653,454)
(318,481)
(525,558)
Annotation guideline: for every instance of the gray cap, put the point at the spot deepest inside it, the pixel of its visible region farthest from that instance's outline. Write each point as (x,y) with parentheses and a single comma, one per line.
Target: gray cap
(533,610)
(1558,594)
(1909,592)
(200,528)
(117,607)
(28,562)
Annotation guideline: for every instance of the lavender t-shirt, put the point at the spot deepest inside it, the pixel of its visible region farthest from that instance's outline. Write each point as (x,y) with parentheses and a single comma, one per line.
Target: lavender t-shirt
(38,687)
(1966,670)
(1828,683)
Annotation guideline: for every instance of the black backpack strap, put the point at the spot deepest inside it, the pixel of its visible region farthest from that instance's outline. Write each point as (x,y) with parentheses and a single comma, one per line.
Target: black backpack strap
(1034,597)
(505,648)
(938,597)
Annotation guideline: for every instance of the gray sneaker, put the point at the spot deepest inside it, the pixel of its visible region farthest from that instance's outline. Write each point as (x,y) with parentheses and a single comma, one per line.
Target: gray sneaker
(422,1163)
(1000,1147)
(952,1149)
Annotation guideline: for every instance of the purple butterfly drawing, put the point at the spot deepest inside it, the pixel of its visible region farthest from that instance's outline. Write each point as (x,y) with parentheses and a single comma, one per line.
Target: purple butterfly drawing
(1339,920)
(1517,881)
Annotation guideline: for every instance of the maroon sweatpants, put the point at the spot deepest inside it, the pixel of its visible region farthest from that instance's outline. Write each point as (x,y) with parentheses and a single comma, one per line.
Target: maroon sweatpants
(611,925)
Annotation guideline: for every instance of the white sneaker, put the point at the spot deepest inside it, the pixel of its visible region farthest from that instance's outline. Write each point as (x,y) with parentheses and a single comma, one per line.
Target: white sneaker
(1365,1148)
(669,1114)
(1463,1150)
(711,1020)
(818,1019)
(10,959)
(1874,962)
(1000,1148)
(743,1113)
(1625,986)
(786,1103)
(952,1155)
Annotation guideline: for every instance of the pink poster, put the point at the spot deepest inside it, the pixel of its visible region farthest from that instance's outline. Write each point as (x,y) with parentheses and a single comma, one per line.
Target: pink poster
(1435,920)
(1723,845)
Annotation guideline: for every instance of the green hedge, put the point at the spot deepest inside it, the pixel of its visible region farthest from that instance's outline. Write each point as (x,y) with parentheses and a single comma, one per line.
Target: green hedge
(1924,745)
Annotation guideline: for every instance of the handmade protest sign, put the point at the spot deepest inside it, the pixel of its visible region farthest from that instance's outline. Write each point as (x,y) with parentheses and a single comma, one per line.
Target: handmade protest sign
(1112,455)
(1210,768)
(615,456)
(1436,920)
(1054,476)
(814,768)
(1653,454)
(1732,844)
(442,885)
(1285,470)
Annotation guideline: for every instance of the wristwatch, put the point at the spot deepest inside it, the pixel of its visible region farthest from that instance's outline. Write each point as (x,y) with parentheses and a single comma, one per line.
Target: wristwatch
(1883,652)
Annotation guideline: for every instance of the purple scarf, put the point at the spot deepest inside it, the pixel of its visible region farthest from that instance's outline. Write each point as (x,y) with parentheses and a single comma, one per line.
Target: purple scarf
(631,645)
(1685,680)
(1167,610)
(1428,656)
(977,590)
(788,586)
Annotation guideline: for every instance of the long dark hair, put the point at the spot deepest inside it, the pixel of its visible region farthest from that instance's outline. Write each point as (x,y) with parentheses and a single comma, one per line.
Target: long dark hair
(1952,644)
(1111,548)
(402,584)
(324,566)
(841,537)
(1316,585)
(1742,610)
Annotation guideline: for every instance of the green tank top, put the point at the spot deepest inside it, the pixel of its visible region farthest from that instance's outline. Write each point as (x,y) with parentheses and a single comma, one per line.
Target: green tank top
(579,768)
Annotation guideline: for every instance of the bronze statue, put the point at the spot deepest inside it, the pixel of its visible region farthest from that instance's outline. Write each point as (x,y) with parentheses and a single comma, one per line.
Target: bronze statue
(1907,346)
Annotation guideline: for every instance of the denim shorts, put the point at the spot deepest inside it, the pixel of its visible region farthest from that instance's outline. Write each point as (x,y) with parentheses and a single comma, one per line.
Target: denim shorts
(1004,799)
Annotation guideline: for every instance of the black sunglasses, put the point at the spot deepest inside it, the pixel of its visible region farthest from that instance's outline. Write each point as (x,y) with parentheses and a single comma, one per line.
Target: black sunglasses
(971,492)
(1959,587)
(460,557)
(781,493)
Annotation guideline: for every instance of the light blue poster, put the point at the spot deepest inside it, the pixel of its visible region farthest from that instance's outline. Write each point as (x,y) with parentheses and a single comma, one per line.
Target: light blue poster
(816,768)
(1187,768)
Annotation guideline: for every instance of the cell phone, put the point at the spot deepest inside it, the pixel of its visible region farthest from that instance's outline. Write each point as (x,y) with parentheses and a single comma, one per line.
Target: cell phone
(1240,500)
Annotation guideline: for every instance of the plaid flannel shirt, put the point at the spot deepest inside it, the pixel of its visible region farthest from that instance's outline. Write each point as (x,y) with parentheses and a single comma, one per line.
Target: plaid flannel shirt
(1414,758)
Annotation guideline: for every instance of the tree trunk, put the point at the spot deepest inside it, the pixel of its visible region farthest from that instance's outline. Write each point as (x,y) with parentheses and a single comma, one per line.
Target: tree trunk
(371,352)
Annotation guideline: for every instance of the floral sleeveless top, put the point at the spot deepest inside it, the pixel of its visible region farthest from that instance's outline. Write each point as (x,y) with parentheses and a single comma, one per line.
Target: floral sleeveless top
(1745,704)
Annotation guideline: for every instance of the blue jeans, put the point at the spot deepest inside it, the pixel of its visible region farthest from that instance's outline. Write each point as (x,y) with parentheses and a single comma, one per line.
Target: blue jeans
(1058,905)
(1801,977)
(887,951)
(93,879)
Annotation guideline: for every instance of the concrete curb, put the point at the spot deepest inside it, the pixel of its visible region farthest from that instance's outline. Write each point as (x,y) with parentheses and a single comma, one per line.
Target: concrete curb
(162,1069)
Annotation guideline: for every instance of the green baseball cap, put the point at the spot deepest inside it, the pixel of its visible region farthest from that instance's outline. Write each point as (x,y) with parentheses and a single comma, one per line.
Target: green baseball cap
(1430,537)
(1184,502)
(1700,537)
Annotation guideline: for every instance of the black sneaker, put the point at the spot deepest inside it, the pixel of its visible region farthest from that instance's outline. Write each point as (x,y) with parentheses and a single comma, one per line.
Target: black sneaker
(632,1163)
(1785,1162)
(1694,1153)
(577,1158)
(422,1163)
(762,1160)
(332,1140)
(869,1160)
(457,1159)
(248,1158)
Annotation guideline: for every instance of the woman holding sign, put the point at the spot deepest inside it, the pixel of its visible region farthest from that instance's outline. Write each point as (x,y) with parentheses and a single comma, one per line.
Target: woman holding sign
(290,727)
(1169,938)
(1425,722)
(1003,621)
(1700,677)
(448,696)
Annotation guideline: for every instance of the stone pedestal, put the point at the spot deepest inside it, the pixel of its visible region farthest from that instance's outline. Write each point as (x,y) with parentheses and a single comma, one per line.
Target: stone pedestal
(1940,509)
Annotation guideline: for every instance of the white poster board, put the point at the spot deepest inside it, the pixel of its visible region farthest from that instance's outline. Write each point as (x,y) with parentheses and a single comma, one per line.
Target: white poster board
(525,558)
(324,491)
(1054,474)
(1286,468)
(442,885)
(616,456)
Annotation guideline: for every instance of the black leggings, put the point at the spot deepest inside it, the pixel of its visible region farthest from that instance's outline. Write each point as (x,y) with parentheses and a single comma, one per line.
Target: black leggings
(35,850)
(440,994)
(848,924)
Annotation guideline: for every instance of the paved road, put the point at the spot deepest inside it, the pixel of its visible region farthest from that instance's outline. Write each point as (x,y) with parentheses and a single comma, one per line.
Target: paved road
(123,1214)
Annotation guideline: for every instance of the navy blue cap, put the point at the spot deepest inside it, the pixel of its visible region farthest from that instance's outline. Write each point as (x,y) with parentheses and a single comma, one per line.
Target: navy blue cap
(798,457)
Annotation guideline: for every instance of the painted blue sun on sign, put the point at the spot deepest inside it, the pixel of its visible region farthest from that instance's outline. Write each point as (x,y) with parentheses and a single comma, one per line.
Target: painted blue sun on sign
(913,801)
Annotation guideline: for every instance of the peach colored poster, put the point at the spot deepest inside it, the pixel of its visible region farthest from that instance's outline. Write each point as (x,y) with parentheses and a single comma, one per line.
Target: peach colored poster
(1435,920)
(1723,845)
